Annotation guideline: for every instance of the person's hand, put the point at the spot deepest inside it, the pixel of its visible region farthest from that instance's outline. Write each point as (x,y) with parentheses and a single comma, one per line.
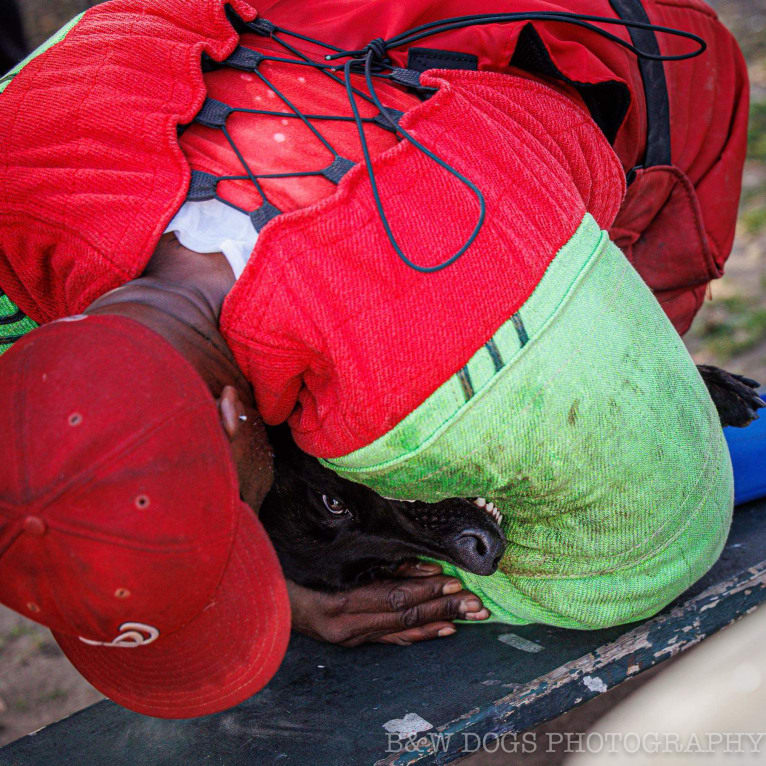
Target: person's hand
(418,604)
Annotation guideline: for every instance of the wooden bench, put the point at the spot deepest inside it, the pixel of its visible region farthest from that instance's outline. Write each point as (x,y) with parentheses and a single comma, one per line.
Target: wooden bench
(329,705)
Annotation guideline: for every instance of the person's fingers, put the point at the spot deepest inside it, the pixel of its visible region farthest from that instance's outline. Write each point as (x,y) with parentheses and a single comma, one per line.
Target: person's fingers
(418,569)
(442,609)
(408,610)
(418,623)
(395,596)
(423,633)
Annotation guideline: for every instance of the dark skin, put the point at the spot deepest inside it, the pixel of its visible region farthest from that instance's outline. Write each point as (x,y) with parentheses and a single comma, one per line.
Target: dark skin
(179,296)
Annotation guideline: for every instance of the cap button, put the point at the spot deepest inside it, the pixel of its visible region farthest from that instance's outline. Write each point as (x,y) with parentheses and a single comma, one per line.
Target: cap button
(34,525)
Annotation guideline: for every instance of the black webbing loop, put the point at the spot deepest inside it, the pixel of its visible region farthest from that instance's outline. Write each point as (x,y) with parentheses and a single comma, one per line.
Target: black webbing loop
(202,186)
(262,27)
(213,113)
(263,215)
(245,59)
(421,59)
(339,167)
(388,118)
(408,77)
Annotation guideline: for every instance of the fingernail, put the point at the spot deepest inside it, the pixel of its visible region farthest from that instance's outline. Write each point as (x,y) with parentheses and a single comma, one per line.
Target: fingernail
(424,566)
(480,615)
(445,632)
(470,605)
(453,587)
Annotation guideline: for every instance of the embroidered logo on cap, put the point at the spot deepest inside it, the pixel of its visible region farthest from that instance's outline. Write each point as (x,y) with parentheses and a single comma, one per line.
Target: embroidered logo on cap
(132,634)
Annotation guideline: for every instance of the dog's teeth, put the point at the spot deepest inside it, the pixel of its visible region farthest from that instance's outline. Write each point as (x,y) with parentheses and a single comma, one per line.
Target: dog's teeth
(490,508)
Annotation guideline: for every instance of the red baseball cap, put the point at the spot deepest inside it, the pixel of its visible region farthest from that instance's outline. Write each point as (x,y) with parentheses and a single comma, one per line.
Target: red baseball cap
(121,523)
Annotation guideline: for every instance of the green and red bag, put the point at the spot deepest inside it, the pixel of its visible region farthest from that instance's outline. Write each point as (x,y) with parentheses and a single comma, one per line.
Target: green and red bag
(537,370)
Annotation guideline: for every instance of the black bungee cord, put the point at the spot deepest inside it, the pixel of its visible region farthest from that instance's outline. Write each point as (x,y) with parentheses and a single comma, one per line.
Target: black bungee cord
(372,61)
(375,53)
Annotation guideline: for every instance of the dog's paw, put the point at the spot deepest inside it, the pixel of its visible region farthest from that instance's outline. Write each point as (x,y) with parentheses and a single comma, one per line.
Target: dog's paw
(734,396)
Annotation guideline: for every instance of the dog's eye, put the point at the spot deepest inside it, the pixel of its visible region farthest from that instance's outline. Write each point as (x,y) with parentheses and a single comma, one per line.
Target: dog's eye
(334,505)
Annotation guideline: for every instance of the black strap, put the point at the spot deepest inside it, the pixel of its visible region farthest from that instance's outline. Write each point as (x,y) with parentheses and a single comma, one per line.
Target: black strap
(655,86)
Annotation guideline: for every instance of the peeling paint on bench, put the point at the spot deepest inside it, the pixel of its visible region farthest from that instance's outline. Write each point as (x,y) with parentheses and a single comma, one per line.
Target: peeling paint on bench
(470,685)
(673,631)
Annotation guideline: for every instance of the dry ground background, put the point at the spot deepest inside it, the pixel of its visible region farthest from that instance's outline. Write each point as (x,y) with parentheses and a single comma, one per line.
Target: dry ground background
(37,684)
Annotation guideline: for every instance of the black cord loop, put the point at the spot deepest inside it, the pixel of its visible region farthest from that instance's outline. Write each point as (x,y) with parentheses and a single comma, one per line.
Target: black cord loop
(577,19)
(374,184)
(372,60)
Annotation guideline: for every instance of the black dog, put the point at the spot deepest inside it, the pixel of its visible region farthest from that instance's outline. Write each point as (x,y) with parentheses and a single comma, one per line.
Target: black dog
(332,534)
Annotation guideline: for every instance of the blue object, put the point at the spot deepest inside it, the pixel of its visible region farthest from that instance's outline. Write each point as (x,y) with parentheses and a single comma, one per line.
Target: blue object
(747,447)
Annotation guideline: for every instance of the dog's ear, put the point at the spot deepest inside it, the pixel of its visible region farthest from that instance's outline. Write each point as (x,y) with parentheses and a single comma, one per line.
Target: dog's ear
(281,440)
(290,461)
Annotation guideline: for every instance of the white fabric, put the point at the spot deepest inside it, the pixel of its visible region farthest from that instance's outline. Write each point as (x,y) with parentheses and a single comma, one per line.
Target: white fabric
(212,227)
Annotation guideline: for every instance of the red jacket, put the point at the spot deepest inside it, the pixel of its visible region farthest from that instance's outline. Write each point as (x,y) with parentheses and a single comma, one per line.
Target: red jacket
(328,324)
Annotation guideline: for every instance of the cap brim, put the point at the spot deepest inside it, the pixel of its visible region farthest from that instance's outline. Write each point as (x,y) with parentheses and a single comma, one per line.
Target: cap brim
(223,656)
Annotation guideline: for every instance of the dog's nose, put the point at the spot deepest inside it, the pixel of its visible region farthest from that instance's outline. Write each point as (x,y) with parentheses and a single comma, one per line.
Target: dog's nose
(478,550)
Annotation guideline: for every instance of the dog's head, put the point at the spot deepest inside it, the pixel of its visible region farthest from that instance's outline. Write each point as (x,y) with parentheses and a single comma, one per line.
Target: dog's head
(333,534)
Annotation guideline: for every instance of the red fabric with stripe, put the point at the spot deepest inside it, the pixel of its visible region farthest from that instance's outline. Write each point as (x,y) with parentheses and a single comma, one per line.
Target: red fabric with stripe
(325,314)
(326,321)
